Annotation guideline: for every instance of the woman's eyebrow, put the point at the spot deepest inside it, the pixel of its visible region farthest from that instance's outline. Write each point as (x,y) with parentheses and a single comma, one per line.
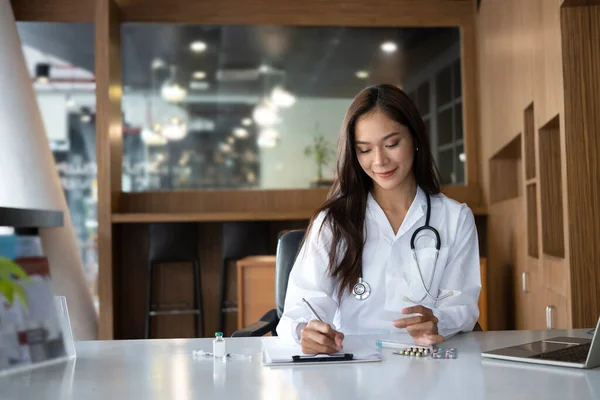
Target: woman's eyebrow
(386,137)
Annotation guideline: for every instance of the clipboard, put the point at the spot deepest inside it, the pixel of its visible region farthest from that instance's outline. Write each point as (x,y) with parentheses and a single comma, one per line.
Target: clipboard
(323,358)
(279,352)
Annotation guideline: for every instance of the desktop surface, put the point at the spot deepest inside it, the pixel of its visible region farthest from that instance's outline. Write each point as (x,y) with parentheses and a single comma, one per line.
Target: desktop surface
(166,369)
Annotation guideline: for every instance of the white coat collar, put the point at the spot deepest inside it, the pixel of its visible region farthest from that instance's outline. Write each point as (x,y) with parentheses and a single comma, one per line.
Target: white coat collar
(415,212)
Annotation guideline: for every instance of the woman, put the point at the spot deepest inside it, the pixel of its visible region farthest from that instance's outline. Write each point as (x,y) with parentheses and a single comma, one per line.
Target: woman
(385,178)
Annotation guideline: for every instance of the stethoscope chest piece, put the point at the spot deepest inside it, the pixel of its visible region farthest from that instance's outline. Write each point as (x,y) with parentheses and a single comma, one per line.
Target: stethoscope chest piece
(361,290)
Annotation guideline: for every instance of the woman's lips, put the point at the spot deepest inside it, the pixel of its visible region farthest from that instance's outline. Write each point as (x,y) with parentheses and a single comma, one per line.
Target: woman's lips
(387,174)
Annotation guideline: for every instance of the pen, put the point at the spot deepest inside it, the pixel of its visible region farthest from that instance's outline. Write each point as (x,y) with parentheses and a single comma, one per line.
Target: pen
(392,344)
(312,310)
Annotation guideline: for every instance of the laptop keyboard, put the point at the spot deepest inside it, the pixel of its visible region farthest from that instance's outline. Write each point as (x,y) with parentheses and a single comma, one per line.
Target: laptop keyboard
(575,354)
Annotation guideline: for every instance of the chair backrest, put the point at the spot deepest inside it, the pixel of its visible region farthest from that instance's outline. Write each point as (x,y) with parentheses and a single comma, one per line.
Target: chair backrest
(244,238)
(287,250)
(173,241)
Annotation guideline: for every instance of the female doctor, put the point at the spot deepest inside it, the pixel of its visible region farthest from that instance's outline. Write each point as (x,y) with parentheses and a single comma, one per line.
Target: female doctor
(387,252)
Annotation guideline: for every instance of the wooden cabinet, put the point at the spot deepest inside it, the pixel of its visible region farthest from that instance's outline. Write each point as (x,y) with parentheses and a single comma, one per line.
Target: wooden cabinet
(483,307)
(255,288)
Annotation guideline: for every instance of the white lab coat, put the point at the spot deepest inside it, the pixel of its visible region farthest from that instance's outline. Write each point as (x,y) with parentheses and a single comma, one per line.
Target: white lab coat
(389,268)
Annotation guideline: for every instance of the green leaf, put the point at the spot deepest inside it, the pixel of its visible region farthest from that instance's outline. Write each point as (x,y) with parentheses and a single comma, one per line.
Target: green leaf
(7,290)
(9,268)
(20,293)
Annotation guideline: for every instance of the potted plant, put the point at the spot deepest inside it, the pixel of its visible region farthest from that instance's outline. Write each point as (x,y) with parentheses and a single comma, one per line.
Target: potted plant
(9,286)
(322,154)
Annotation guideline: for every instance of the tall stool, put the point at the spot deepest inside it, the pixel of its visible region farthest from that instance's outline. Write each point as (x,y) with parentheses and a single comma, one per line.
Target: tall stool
(240,239)
(174,243)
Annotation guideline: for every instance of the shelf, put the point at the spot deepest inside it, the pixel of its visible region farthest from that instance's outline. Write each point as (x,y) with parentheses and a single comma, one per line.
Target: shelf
(532,181)
(210,217)
(532,221)
(30,218)
(529,130)
(553,242)
(505,172)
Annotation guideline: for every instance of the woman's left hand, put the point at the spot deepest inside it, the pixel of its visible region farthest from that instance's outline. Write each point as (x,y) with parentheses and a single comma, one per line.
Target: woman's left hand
(422,327)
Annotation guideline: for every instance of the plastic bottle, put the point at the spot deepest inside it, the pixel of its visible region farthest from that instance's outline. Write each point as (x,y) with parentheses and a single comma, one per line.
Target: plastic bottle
(219,350)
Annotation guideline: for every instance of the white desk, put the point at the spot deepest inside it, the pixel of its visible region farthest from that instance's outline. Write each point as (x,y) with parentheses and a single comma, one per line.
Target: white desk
(165,369)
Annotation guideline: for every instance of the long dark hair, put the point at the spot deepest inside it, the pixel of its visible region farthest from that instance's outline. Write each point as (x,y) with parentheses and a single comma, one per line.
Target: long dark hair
(345,207)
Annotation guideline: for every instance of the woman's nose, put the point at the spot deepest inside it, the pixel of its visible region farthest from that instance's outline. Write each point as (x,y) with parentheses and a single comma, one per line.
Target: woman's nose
(380,157)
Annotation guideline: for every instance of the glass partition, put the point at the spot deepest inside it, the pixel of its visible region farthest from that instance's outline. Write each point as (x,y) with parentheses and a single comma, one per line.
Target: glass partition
(260,107)
(60,61)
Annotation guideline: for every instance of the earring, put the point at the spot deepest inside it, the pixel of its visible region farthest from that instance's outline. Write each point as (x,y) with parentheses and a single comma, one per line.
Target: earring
(417,149)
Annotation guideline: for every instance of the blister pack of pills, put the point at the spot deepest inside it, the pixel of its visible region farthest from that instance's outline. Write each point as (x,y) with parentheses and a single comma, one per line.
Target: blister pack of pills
(414,352)
(444,354)
(435,353)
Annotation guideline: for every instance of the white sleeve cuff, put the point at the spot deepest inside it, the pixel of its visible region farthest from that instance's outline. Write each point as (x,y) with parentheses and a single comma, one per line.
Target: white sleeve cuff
(297,327)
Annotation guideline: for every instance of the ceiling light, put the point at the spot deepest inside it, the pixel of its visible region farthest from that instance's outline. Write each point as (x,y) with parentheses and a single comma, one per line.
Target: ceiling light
(362,74)
(247,121)
(173,93)
(240,133)
(265,115)
(264,68)
(282,97)
(153,137)
(199,75)
(225,148)
(389,47)
(175,129)
(268,138)
(158,63)
(198,46)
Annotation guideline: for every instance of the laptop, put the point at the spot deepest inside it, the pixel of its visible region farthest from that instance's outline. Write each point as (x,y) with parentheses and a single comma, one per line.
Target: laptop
(561,351)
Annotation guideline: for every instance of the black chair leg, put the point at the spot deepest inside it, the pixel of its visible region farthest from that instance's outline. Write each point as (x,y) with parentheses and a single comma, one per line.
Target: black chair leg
(148,301)
(199,316)
(222,291)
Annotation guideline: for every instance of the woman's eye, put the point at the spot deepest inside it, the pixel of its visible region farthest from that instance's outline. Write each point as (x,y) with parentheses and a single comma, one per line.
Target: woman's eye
(389,146)
(364,151)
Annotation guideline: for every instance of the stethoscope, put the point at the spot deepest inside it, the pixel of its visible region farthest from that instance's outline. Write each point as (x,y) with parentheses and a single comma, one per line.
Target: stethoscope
(362,290)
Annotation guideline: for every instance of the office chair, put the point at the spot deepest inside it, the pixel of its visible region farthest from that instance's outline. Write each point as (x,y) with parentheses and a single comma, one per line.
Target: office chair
(287,250)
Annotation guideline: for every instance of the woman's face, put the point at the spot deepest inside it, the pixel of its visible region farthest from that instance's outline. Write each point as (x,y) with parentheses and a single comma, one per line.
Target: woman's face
(384,149)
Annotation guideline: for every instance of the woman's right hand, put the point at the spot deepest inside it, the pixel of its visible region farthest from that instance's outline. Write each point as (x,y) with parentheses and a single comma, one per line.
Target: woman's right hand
(319,337)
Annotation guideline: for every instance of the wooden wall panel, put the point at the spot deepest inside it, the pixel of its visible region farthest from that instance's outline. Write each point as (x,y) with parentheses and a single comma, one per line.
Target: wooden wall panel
(581,63)
(506,260)
(532,221)
(311,12)
(290,12)
(223,201)
(56,11)
(519,64)
(109,149)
